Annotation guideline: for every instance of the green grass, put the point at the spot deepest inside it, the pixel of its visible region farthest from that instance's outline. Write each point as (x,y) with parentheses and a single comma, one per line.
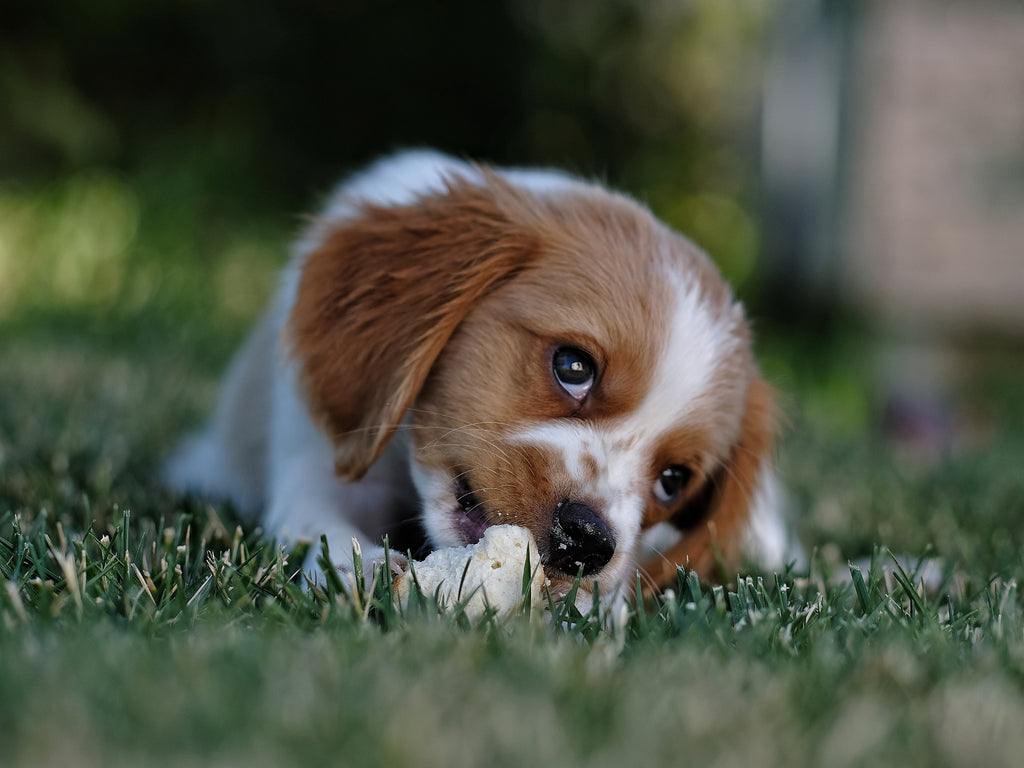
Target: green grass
(139,628)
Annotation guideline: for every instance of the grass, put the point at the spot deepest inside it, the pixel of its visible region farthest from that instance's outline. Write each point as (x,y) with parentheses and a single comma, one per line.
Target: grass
(138,628)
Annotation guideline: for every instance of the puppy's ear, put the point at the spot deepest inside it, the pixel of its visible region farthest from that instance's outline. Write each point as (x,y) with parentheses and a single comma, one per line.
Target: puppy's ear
(714,522)
(380,296)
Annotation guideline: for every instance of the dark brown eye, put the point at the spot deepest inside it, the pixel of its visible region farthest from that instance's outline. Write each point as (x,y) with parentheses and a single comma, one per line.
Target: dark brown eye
(575,371)
(671,482)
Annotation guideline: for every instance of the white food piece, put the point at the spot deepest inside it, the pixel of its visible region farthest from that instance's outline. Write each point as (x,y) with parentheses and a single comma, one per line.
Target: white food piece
(493,579)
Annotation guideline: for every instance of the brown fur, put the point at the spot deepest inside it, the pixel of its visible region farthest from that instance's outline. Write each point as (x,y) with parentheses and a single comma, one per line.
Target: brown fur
(379,299)
(714,544)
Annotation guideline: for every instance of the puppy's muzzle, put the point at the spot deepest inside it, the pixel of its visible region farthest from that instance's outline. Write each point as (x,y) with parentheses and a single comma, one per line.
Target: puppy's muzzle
(579,538)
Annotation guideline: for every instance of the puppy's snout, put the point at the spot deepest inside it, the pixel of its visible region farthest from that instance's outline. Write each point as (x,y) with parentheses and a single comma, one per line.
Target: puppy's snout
(579,538)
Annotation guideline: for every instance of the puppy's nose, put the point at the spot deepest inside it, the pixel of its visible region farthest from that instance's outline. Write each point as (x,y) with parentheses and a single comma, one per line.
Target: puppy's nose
(579,537)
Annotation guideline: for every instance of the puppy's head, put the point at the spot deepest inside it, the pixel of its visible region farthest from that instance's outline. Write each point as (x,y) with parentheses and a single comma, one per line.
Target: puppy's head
(565,363)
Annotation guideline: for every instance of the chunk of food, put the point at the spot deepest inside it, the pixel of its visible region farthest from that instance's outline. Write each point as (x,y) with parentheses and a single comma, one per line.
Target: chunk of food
(492,579)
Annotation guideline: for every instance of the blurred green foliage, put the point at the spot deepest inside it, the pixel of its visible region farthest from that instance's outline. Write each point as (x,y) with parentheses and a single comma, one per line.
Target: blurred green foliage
(143,140)
(155,159)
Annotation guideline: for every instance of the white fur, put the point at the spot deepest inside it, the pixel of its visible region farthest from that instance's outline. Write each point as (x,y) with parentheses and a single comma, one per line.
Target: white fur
(292,479)
(685,384)
(768,540)
(620,486)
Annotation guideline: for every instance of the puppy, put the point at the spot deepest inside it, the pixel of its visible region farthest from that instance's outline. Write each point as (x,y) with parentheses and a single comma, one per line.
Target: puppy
(476,346)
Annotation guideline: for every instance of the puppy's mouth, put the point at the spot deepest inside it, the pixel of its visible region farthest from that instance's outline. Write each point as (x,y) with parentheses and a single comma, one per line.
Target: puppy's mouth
(470,517)
(471,521)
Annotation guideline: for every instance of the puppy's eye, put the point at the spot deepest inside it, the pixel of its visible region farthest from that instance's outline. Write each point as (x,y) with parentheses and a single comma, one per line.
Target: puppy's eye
(671,482)
(575,371)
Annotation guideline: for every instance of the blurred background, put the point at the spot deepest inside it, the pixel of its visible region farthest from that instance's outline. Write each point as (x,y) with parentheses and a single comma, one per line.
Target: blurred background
(855,168)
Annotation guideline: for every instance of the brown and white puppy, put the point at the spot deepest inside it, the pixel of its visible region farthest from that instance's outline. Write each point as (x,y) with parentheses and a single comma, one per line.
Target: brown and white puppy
(484,346)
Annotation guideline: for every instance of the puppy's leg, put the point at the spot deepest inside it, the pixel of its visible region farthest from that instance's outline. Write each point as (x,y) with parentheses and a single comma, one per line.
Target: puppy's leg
(306,502)
(228,458)
(769,540)
(306,499)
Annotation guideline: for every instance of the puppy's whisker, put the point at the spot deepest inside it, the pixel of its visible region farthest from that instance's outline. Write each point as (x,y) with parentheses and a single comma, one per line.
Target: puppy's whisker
(390,429)
(469,447)
(455,423)
(492,488)
(496,447)
(746,487)
(646,579)
(489,487)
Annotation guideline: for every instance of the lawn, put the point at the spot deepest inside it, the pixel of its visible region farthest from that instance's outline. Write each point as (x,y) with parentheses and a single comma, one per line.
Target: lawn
(139,628)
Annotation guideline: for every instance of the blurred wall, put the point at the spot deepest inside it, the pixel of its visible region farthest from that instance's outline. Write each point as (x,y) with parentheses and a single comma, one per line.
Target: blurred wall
(893,157)
(935,235)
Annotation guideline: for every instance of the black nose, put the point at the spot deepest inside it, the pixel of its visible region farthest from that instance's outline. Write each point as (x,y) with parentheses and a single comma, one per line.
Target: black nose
(579,537)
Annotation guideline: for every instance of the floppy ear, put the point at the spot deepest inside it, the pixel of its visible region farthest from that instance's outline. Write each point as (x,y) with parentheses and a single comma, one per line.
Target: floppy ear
(714,522)
(380,296)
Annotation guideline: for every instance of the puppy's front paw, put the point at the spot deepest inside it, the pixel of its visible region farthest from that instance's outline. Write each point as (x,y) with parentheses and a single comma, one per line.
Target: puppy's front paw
(394,564)
(365,562)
